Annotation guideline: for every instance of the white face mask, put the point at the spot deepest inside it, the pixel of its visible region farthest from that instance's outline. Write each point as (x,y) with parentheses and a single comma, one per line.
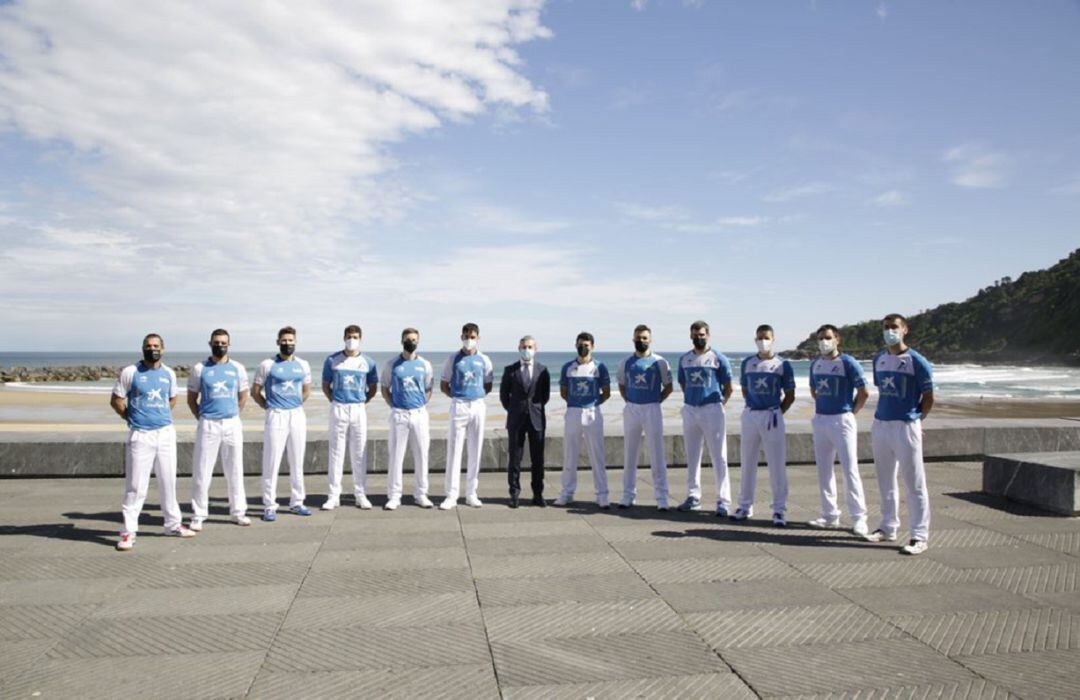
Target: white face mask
(764,345)
(468,343)
(892,336)
(826,346)
(352,344)
(527,354)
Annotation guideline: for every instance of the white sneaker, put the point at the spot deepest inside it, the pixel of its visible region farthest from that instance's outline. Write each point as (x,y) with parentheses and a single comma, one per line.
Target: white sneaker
(914,547)
(825,524)
(742,514)
(392,504)
(330,504)
(779,520)
(196,525)
(241,520)
(860,528)
(562,501)
(126,543)
(448,504)
(363,503)
(881,536)
(473,501)
(626,503)
(181,532)
(423,502)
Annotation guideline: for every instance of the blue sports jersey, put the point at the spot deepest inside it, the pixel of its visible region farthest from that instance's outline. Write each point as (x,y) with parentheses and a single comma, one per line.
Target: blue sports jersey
(901,381)
(765,381)
(283,381)
(834,383)
(218,386)
(643,378)
(702,377)
(467,375)
(349,377)
(583,382)
(408,381)
(147,392)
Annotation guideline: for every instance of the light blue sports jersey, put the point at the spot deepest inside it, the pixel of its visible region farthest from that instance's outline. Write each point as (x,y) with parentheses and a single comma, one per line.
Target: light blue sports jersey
(349,376)
(834,383)
(467,375)
(643,378)
(409,382)
(583,383)
(219,387)
(283,381)
(702,377)
(901,381)
(765,381)
(147,392)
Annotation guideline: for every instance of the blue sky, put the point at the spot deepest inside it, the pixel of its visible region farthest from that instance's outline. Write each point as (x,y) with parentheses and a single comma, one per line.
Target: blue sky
(536,167)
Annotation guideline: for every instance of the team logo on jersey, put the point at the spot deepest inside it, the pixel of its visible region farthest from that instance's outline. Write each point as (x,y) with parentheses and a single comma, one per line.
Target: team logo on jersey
(154,398)
(641,380)
(348,380)
(220,388)
(289,386)
(582,387)
(163,380)
(823,385)
(761,383)
(888,386)
(835,369)
(410,384)
(697,378)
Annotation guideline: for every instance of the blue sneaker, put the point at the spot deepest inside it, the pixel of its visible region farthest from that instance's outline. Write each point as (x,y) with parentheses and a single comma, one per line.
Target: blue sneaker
(300,510)
(690,503)
(721,511)
(269,516)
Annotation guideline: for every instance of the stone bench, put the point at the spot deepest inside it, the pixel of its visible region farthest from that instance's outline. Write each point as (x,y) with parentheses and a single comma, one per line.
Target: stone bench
(1048,480)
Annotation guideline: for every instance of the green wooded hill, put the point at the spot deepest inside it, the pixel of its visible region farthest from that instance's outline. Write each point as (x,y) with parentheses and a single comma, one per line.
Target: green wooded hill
(1033,319)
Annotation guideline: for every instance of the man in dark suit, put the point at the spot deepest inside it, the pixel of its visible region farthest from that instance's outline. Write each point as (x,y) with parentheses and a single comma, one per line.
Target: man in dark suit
(525,388)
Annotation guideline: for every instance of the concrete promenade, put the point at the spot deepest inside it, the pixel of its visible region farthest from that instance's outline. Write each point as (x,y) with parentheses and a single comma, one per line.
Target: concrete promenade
(535,603)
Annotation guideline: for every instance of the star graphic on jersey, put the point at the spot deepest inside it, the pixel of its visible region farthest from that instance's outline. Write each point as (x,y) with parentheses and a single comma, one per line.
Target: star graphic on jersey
(288,386)
(468,376)
(697,377)
(582,387)
(761,383)
(154,395)
(888,383)
(348,380)
(221,387)
(410,384)
(639,379)
(823,385)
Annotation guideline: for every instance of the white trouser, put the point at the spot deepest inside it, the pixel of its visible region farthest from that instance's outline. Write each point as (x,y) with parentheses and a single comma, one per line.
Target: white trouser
(285,429)
(149,451)
(706,425)
(466,431)
(837,435)
(644,418)
(213,435)
(898,443)
(348,426)
(763,429)
(408,428)
(587,424)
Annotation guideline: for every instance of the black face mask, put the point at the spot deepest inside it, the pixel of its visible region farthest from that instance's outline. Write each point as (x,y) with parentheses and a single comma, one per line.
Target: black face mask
(700,343)
(287,349)
(641,345)
(409,346)
(151,356)
(583,350)
(219,351)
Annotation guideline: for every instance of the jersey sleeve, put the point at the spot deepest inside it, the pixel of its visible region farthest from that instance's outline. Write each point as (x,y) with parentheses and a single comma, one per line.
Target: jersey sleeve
(328,370)
(307,371)
(193,378)
(665,370)
(448,369)
(789,376)
(723,372)
(681,373)
(605,376)
(261,371)
(855,372)
(489,371)
(924,374)
(174,387)
(241,377)
(744,381)
(563,380)
(429,377)
(387,372)
(620,373)
(873,369)
(123,382)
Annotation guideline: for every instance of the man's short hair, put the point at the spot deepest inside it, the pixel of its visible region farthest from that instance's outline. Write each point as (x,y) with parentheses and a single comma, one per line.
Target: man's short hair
(699,325)
(525,338)
(764,327)
(828,327)
(469,328)
(148,336)
(585,335)
(287,330)
(219,331)
(353,328)
(642,327)
(895,317)
(408,331)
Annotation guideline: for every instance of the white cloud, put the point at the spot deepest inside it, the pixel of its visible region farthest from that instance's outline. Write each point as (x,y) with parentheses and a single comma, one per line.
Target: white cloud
(973,166)
(890,198)
(506,220)
(660,214)
(809,189)
(882,11)
(678,219)
(639,5)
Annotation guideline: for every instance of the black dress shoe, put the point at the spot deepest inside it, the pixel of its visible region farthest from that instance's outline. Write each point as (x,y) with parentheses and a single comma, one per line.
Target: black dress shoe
(513,501)
(539,501)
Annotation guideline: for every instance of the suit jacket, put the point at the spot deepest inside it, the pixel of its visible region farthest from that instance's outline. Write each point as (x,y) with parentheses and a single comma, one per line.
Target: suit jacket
(523,403)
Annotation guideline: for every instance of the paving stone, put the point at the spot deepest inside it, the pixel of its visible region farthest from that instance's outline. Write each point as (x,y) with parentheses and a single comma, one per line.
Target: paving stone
(998,555)
(184,676)
(18,656)
(201,601)
(362,582)
(969,537)
(19,622)
(475,531)
(601,658)
(546,544)
(359,648)
(36,567)
(202,553)
(1068,542)
(1052,578)
(837,667)
(958,690)
(547,565)
(391,540)
(684,548)
(726,595)
(841,551)
(1065,601)
(519,623)
(581,589)
(1046,674)
(459,682)
(165,636)
(60,591)
(790,626)
(387,610)
(898,601)
(702,685)
(901,571)
(365,526)
(391,560)
(996,631)
(256,535)
(716,569)
(222,575)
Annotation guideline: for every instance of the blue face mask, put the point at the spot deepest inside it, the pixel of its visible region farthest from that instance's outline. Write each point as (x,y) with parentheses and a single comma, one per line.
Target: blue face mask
(891,336)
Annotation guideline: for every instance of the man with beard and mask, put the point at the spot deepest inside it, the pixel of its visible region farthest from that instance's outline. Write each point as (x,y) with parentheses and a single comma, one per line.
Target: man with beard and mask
(144,396)
(523,392)
(705,378)
(349,380)
(281,386)
(467,377)
(838,386)
(217,390)
(644,382)
(407,381)
(584,383)
(764,377)
(905,383)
